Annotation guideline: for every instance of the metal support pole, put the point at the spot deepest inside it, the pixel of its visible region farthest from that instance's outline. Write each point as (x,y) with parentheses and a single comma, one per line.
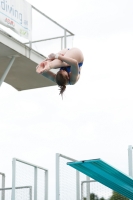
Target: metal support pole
(65,42)
(77,186)
(82,196)
(35,183)
(30,193)
(130,160)
(3,186)
(7,70)
(57,177)
(82,183)
(46,185)
(61,43)
(88,187)
(31,30)
(13,178)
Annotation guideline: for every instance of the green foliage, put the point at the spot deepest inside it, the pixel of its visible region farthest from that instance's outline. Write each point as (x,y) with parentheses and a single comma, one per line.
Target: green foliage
(117,196)
(94,197)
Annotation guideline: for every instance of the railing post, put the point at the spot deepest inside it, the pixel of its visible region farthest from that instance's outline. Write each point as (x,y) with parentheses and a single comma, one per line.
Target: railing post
(65,42)
(61,43)
(88,181)
(3,186)
(57,177)
(35,183)
(88,187)
(13,178)
(77,186)
(82,191)
(46,185)
(130,160)
(30,41)
(30,193)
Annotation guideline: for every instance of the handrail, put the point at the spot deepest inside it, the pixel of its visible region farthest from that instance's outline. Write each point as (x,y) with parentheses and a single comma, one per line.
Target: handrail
(46,39)
(52,20)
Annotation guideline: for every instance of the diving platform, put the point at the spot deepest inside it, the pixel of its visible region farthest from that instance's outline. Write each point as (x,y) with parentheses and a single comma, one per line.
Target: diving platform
(106,174)
(18,60)
(18,64)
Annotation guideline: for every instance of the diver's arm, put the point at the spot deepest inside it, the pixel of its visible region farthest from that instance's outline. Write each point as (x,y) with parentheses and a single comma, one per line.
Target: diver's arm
(50,75)
(70,62)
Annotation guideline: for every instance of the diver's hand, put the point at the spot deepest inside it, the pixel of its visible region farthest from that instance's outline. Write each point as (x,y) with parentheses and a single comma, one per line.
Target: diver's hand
(43,67)
(54,56)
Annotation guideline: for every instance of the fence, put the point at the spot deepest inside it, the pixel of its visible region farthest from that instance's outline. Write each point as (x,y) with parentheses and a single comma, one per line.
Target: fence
(67,179)
(22,193)
(2,184)
(24,173)
(93,190)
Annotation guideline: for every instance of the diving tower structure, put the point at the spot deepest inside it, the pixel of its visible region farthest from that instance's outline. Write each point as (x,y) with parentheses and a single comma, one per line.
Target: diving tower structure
(31,182)
(18,60)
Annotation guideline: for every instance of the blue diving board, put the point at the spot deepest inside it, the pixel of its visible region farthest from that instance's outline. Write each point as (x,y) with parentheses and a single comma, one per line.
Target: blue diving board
(107,175)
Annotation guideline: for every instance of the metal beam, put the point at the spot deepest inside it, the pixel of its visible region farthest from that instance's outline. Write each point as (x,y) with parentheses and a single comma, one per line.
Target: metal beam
(7,70)
(65,42)
(130,160)
(35,183)
(47,39)
(52,20)
(13,178)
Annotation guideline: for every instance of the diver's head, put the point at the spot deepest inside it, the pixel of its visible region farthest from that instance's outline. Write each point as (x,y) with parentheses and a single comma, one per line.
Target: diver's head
(62,78)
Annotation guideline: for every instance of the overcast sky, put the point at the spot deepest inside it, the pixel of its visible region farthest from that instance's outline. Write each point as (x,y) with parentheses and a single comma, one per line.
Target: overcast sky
(95,118)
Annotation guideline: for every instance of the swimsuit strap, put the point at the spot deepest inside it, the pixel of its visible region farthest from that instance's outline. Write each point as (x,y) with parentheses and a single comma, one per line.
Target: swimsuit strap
(80,64)
(68,68)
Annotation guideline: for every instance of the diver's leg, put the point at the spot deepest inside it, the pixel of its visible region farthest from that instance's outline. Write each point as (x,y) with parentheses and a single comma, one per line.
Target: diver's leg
(76,54)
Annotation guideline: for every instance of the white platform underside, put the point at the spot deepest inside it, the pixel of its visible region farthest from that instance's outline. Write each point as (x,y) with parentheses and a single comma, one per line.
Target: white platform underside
(22,74)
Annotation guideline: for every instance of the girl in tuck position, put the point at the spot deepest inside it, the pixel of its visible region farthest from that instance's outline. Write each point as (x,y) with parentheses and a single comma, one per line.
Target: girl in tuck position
(69,62)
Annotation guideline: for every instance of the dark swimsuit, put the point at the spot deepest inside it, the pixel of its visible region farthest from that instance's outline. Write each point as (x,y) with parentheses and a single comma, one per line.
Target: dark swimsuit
(68,69)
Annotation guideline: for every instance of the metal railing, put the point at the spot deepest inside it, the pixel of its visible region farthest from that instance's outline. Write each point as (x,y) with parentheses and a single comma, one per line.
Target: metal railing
(130,160)
(3,185)
(59,37)
(35,179)
(58,168)
(87,189)
(23,187)
(62,35)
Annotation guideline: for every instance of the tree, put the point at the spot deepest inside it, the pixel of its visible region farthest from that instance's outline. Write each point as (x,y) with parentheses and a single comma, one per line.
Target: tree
(117,196)
(94,197)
